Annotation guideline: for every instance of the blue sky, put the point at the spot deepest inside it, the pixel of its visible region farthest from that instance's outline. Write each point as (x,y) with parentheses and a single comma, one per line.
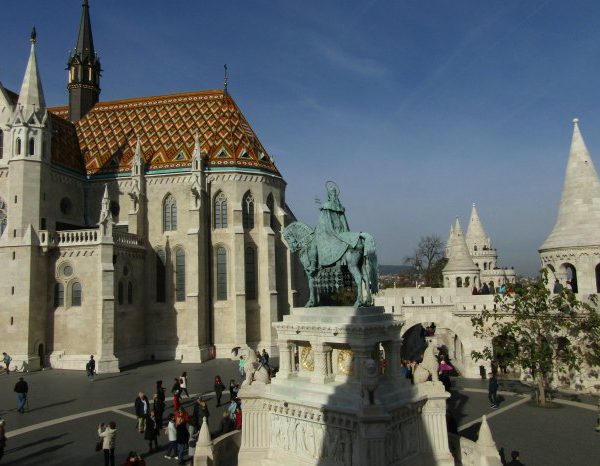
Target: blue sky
(415,108)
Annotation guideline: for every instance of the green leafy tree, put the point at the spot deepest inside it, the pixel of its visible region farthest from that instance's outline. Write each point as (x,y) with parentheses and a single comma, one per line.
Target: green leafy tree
(540,331)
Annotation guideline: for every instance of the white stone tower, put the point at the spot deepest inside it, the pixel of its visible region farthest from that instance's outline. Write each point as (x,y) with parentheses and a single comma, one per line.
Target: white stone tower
(460,271)
(572,251)
(27,154)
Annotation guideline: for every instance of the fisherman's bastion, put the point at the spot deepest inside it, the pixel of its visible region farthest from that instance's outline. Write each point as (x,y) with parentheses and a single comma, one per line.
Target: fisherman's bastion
(157,228)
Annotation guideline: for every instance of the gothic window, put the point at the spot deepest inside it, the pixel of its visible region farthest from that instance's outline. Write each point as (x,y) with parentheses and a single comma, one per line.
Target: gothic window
(130,293)
(458,282)
(59,295)
(120,293)
(475,247)
(221,274)
(248,211)
(31,146)
(18,147)
(76,294)
(161,276)
(1,142)
(220,209)
(250,272)
(180,275)
(271,206)
(170,214)
(3,216)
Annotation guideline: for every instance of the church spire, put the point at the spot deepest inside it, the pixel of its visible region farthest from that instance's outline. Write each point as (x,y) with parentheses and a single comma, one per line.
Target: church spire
(84,70)
(31,97)
(459,259)
(476,235)
(578,219)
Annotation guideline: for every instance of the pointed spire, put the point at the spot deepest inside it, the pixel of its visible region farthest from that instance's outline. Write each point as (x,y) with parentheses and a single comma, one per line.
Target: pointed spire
(459,259)
(476,234)
(485,440)
(225,79)
(31,96)
(85,40)
(578,219)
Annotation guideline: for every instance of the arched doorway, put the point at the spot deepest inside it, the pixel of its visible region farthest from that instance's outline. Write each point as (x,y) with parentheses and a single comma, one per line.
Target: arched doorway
(598,278)
(570,272)
(41,355)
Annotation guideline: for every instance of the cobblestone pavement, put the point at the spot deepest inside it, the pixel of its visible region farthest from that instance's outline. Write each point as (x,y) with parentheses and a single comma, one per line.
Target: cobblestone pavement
(65,409)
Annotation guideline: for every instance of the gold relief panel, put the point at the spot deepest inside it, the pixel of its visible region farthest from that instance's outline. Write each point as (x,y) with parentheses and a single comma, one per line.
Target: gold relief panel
(307,358)
(345,362)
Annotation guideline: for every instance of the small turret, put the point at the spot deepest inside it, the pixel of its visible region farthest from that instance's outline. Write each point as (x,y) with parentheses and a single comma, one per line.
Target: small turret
(460,271)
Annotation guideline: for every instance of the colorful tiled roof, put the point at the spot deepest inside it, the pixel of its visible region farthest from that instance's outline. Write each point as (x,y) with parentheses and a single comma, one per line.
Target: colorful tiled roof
(65,145)
(167,126)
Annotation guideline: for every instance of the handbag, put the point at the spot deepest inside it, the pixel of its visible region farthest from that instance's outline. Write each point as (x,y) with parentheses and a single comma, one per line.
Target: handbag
(99,445)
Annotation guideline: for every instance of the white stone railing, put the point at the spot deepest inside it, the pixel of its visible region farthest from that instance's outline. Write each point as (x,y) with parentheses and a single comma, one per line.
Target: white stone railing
(127,239)
(76,237)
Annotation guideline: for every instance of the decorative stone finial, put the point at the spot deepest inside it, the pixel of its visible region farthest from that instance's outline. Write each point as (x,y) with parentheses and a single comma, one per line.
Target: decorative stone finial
(575,121)
(485,439)
(33,38)
(204,439)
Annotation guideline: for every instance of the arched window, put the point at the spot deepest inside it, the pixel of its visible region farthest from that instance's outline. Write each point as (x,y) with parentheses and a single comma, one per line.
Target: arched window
(120,293)
(76,295)
(161,276)
(221,274)
(170,214)
(180,275)
(31,146)
(475,247)
(250,272)
(130,293)
(271,206)
(1,143)
(59,295)
(248,211)
(3,216)
(458,282)
(18,146)
(220,209)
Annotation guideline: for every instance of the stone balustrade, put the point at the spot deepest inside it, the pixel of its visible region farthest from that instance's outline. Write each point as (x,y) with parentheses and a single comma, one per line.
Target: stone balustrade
(127,239)
(64,238)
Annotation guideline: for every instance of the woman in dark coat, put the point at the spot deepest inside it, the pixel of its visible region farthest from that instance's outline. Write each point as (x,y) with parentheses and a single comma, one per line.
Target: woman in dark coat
(219,387)
(159,402)
(200,412)
(152,431)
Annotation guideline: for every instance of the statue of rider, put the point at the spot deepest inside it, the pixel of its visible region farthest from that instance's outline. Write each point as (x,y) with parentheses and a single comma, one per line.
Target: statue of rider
(333,217)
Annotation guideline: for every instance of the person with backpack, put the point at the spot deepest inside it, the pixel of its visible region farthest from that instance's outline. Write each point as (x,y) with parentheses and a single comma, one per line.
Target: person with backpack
(6,359)
(90,368)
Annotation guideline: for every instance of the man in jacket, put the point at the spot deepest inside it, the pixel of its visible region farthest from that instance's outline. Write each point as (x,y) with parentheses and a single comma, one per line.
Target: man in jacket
(21,389)
(6,359)
(492,390)
(142,408)
(90,368)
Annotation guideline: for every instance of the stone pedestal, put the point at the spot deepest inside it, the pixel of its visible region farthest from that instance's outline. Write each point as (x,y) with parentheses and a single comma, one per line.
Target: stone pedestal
(333,403)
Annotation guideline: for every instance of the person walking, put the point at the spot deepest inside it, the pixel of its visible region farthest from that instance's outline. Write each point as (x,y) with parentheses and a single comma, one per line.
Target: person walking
(492,390)
(238,419)
(176,391)
(6,359)
(183,437)
(231,411)
(200,412)
(171,432)
(232,384)
(2,437)
(515,461)
(183,384)
(108,434)
(219,387)
(21,389)
(142,409)
(225,425)
(159,402)
(90,368)
(241,366)
(152,432)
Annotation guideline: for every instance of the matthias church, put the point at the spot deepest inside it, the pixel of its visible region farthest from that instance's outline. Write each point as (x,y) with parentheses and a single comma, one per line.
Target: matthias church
(143,228)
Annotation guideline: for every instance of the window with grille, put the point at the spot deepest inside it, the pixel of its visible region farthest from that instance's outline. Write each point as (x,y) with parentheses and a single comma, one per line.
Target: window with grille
(59,295)
(248,211)
(170,214)
(221,274)
(220,210)
(250,272)
(76,294)
(180,275)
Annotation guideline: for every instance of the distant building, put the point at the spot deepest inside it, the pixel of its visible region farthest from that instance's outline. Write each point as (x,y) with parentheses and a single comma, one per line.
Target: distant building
(138,228)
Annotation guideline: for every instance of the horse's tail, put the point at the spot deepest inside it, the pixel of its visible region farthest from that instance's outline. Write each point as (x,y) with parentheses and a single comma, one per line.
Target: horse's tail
(370,253)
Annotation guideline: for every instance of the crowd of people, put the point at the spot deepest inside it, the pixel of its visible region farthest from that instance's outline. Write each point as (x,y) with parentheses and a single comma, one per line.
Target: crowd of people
(179,427)
(490,289)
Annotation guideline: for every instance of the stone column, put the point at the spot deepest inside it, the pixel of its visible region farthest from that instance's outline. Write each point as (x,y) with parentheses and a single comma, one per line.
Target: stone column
(107,362)
(435,432)
(393,357)
(285,359)
(237,274)
(322,354)
(360,354)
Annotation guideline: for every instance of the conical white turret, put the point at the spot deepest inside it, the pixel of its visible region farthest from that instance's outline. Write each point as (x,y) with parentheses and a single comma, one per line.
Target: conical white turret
(459,259)
(578,221)
(31,97)
(476,235)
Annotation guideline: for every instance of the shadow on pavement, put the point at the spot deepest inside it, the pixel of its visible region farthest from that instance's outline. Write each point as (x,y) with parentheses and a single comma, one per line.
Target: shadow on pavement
(59,403)
(37,442)
(20,461)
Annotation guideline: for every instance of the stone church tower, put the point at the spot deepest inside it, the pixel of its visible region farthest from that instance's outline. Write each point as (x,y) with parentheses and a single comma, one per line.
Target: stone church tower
(571,253)
(460,270)
(140,228)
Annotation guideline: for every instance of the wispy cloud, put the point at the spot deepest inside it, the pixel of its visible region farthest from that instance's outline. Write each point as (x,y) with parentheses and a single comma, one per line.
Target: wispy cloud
(353,63)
